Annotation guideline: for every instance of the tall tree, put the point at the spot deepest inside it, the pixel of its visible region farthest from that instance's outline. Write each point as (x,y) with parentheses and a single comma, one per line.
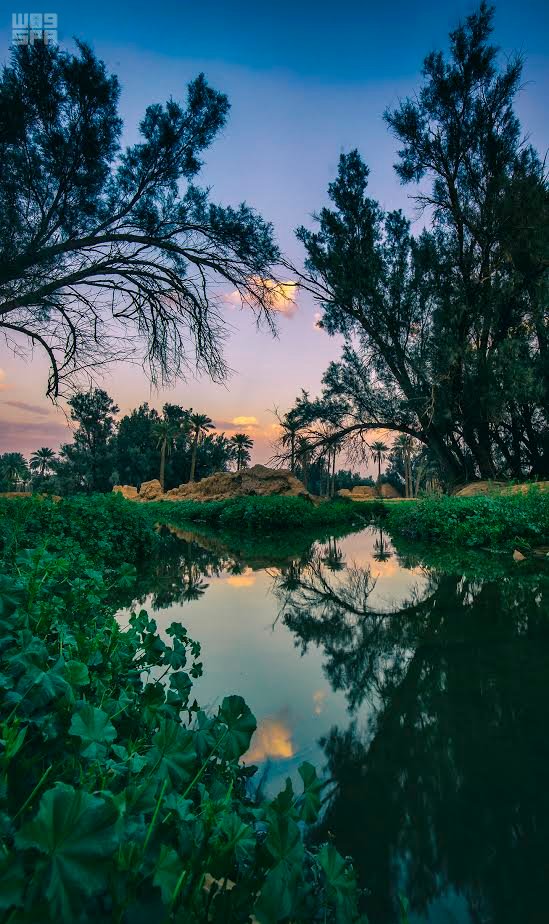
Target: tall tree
(41,461)
(242,444)
(165,433)
(136,451)
(100,246)
(379,451)
(13,470)
(200,424)
(446,337)
(88,462)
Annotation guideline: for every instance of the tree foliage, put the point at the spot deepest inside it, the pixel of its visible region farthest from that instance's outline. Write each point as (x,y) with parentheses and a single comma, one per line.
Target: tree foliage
(446,332)
(101,246)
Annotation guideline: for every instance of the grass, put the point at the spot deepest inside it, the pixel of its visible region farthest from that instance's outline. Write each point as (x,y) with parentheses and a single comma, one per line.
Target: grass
(474,522)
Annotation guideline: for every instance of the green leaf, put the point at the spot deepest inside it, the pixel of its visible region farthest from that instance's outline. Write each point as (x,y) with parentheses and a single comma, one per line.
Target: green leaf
(12,881)
(168,870)
(309,801)
(77,673)
(95,729)
(240,837)
(284,840)
(75,831)
(172,752)
(241,724)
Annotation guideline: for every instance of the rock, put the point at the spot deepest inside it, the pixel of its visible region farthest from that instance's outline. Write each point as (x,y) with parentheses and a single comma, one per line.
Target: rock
(150,490)
(518,556)
(126,490)
(259,480)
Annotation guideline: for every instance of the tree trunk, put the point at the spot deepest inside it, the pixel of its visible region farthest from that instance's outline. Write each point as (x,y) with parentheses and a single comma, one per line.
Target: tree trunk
(162,464)
(193,457)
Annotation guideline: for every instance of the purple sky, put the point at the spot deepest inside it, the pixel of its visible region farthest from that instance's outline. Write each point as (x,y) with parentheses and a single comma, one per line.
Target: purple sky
(305,84)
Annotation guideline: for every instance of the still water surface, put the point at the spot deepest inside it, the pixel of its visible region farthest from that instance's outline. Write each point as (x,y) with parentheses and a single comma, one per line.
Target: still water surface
(419,685)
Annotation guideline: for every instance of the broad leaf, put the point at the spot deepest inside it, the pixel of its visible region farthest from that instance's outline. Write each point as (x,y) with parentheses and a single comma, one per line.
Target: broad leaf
(172,752)
(241,724)
(76,833)
(95,729)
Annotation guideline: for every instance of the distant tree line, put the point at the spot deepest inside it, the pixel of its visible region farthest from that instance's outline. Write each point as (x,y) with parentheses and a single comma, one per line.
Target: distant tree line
(176,445)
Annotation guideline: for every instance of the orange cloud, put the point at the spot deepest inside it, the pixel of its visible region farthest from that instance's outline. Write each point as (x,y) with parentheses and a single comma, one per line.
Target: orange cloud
(281,295)
(245,421)
(3,385)
(272,739)
(247,579)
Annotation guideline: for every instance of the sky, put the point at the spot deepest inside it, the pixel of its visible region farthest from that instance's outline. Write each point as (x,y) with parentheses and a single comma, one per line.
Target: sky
(306,81)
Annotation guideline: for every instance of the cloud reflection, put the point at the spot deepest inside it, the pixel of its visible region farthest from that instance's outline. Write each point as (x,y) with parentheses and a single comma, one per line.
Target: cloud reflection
(272,740)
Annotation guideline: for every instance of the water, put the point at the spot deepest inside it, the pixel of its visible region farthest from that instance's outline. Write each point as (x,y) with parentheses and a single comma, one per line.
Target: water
(419,683)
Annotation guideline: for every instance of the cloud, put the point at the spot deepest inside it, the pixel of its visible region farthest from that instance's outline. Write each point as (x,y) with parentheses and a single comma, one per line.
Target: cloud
(272,739)
(25,437)
(282,296)
(3,385)
(247,579)
(245,421)
(237,423)
(31,408)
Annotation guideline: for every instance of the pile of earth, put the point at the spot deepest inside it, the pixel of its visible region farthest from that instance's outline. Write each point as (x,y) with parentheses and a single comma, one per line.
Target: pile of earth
(475,488)
(256,481)
(362,492)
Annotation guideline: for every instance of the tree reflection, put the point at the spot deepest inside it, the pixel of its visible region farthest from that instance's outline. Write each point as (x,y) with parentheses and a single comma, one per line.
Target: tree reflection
(442,795)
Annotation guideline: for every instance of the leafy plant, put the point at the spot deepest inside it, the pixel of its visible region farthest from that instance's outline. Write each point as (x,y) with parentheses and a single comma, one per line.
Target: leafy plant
(120,799)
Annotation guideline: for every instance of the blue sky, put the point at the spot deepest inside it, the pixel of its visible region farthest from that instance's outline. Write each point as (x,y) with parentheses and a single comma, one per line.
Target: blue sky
(306,81)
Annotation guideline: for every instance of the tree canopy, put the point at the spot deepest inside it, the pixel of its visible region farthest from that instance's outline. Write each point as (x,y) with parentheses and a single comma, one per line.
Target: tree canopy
(108,253)
(446,331)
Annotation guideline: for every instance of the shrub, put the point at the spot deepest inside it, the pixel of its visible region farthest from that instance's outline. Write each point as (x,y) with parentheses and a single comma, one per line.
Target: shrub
(474,521)
(265,514)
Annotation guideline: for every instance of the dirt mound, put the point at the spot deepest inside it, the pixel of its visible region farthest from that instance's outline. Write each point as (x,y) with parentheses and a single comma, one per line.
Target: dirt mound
(126,490)
(259,480)
(362,492)
(149,490)
(388,491)
(499,487)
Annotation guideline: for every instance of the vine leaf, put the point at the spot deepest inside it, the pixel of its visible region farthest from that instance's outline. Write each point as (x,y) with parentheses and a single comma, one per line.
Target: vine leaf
(309,801)
(172,752)
(75,831)
(241,724)
(94,728)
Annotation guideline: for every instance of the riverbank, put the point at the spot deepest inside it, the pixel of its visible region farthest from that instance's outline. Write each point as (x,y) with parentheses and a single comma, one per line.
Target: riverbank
(499,521)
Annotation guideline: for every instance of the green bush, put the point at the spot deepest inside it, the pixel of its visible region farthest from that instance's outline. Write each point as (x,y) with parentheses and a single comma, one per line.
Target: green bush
(265,514)
(104,526)
(121,800)
(497,520)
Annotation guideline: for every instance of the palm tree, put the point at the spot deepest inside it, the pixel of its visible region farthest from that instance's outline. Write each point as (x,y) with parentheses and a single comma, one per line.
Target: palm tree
(242,444)
(290,428)
(404,445)
(13,468)
(379,452)
(199,426)
(41,460)
(165,433)
(304,455)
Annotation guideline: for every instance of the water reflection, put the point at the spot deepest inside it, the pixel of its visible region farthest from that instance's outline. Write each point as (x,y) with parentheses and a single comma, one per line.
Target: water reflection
(420,681)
